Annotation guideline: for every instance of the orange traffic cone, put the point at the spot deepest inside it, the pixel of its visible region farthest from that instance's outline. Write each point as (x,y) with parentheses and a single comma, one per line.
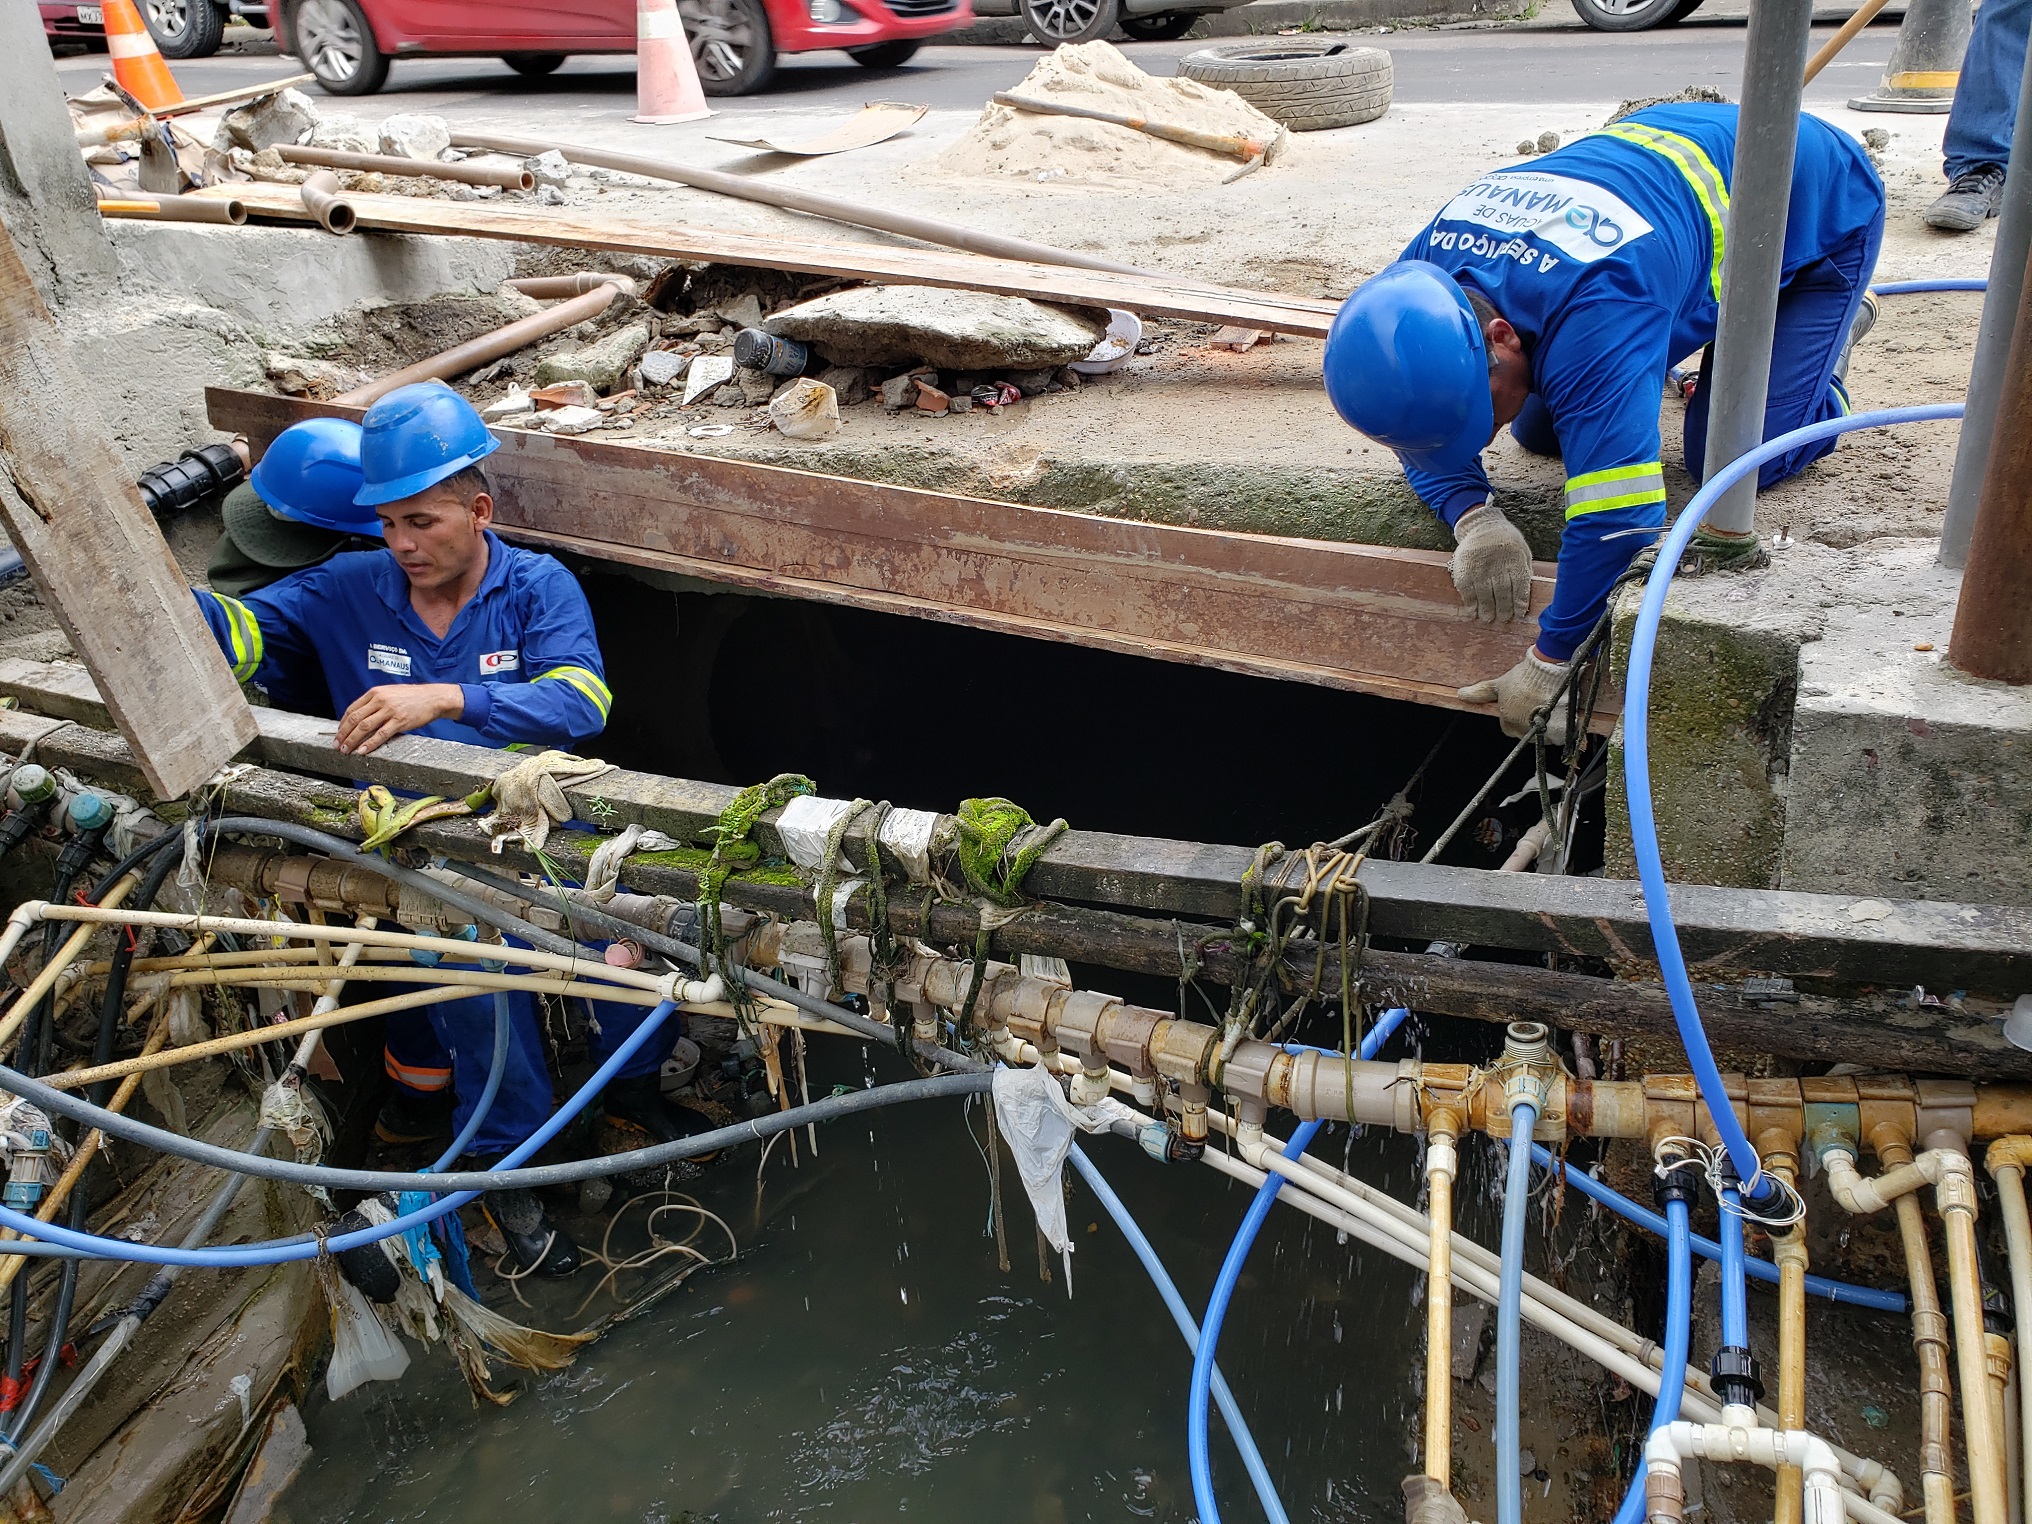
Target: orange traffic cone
(666,80)
(137,63)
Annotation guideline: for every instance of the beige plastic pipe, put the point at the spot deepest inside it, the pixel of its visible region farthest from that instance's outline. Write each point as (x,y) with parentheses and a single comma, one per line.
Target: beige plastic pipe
(1929,1343)
(395,164)
(592,298)
(44,982)
(1955,1197)
(858,214)
(2007,1160)
(1441,1127)
(325,200)
(147,208)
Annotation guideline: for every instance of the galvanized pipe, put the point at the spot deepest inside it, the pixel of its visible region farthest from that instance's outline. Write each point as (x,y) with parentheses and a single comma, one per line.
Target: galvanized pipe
(1993,618)
(471,355)
(324,199)
(854,213)
(1760,194)
(147,208)
(1990,370)
(397,164)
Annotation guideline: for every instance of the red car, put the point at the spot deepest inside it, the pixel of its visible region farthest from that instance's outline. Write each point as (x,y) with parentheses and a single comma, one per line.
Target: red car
(348,44)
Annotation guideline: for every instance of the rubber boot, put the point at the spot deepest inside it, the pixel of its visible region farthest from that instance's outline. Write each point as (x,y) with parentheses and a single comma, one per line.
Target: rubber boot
(538,1245)
(640,1102)
(415,1116)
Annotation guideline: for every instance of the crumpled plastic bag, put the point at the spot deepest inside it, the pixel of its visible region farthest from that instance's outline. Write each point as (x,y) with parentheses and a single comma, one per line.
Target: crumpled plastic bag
(806,409)
(1038,1123)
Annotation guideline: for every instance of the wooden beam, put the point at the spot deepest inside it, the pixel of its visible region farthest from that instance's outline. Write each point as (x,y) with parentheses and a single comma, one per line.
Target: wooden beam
(71,508)
(887,264)
(1728,934)
(1362,618)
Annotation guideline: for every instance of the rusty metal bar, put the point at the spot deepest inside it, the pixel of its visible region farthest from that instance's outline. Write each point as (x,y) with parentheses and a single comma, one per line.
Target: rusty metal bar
(1993,619)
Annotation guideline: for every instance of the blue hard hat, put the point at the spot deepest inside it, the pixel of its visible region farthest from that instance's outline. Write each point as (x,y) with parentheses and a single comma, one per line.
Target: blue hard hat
(414,438)
(1405,364)
(311,473)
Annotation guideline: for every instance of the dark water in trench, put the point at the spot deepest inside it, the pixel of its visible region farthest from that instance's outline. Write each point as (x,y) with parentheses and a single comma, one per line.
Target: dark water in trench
(866,1357)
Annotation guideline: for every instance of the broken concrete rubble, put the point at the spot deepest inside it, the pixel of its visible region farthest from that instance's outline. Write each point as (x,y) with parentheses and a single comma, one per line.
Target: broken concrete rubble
(599,365)
(288,116)
(660,367)
(952,330)
(415,136)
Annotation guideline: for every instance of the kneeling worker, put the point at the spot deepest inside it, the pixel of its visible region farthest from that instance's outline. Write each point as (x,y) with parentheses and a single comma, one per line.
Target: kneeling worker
(447,632)
(1553,298)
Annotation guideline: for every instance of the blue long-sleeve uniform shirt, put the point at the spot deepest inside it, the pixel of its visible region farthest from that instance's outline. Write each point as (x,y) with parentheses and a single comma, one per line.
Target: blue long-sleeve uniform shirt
(522,651)
(1606,257)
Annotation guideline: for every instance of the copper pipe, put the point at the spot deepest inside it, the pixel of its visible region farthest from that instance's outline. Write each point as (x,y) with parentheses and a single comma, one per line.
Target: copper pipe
(474,353)
(148,208)
(324,199)
(1865,14)
(1993,618)
(396,164)
(858,214)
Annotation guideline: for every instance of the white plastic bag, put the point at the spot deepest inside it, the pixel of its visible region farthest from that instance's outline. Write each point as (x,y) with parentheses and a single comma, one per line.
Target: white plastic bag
(1038,1122)
(363,1349)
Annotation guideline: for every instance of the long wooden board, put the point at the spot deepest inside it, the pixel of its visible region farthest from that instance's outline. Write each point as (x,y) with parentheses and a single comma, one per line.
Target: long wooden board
(71,508)
(886,263)
(1727,933)
(1364,618)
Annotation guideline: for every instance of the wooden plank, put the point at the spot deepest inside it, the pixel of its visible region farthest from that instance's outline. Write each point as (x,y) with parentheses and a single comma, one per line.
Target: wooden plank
(1728,934)
(887,264)
(71,508)
(1362,618)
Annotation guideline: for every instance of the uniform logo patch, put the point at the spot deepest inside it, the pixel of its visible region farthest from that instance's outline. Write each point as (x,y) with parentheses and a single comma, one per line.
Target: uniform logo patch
(500,661)
(1582,221)
(390,659)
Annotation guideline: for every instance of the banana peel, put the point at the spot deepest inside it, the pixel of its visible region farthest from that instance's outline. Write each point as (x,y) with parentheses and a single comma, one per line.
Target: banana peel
(383,817)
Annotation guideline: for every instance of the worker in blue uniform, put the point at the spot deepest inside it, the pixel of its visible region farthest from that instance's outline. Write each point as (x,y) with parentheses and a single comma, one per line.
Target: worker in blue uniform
(1554,297)
(447,632)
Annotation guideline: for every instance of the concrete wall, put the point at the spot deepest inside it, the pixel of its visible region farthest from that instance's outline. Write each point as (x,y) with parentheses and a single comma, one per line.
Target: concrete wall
(46,198)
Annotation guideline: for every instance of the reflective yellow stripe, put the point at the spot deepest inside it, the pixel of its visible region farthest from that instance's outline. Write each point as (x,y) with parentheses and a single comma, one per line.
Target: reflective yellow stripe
(1699,172)
(245,632)
(1617,487)
(587,682)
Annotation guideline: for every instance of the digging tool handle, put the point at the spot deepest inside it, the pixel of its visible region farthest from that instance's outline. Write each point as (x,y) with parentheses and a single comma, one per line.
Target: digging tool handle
(1865,14)
(1232,144)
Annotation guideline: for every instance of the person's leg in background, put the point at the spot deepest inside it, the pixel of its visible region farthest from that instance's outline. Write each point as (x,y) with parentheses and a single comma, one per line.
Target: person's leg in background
(635,1095)
(419,1104)
(1977,146)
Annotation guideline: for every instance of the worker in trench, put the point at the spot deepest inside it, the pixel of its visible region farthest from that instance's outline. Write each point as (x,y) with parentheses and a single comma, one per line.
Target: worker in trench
(1553,297)
(445,631)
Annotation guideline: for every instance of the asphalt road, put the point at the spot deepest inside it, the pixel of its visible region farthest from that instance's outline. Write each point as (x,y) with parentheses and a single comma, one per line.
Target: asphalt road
(1541,62)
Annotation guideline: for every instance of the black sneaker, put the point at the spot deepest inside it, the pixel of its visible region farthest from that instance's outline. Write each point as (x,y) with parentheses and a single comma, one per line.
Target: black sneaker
(1972,198)
(412,1116)
(538,1245)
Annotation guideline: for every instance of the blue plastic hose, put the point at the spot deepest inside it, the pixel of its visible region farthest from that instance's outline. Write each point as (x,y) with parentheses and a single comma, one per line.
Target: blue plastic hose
(1914,287)
(1637,755)
(1707,1248)
(281,1251)
(1735,1295)
(1196,1423)
(1509,1317)
(1238,1426)
(1678,1335)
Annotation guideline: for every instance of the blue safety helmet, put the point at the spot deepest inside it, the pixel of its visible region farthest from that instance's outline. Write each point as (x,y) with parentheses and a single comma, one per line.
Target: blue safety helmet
(1405,364)
(311,473)
(414,438)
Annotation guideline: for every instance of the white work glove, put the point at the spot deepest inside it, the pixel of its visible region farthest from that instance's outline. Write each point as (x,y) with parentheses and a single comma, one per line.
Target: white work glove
(1521,692)
(1491,565)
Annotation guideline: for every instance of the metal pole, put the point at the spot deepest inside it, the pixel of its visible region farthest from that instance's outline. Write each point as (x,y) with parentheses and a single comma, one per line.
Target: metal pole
(1760,193)
(1993,619)
(1993,340)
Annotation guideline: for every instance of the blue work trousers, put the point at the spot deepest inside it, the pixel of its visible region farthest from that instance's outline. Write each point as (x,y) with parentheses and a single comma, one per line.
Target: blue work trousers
(1985,109)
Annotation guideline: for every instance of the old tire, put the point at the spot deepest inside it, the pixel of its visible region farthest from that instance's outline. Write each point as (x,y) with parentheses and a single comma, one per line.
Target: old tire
(1628,15)
(1305,85)
(1166,26)
(184,28)
(334,41)
(1057,22)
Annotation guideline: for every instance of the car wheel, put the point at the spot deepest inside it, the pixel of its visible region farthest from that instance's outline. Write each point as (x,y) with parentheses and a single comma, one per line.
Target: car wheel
(1305,85)
(184,28)
(1057,22)
(536,65)
(335,43)
(730,44)
(1168,27)
(1626,15)
(884,55)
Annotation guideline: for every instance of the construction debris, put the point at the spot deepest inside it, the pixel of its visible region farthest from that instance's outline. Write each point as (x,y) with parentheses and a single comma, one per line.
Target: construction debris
(952,330)
(288,116)
(599,365)
(415,136)
(805,409)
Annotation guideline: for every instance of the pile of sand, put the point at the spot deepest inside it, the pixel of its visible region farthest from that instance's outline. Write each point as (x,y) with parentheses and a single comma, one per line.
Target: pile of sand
(1009,142)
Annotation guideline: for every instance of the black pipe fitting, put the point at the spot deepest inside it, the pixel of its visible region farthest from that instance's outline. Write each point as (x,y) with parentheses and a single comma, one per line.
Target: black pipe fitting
(172,486)
(1737,1377)
(1679,1182)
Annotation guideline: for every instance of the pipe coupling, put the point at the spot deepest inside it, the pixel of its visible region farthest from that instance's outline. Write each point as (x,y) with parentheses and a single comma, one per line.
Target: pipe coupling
(1955,1189)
